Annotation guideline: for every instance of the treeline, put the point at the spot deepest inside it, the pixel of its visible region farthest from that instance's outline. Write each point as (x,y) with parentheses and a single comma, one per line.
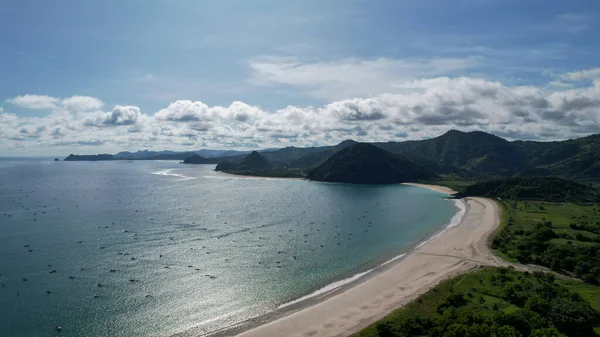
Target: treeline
(544,189)
(493,302)
(535,246)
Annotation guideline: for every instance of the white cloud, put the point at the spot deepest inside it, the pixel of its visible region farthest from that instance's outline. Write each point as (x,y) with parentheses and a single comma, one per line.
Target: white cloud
(416,109)
(559,84)
(184,111)
(81,103)
(34,101)
(581,75)
(123,115)
(351,77)
(74,103)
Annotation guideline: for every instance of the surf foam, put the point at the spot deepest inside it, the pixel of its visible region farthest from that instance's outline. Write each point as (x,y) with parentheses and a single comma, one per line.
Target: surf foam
(336,285)
(168,172)
(456,219)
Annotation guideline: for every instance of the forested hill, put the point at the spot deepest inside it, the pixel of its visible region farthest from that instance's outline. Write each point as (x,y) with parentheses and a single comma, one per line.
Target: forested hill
(481,155)
(473,153)
(543,189)
(364,163)
(467,155)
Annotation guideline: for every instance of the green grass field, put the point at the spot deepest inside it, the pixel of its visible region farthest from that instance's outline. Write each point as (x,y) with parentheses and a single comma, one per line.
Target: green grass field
(564,237)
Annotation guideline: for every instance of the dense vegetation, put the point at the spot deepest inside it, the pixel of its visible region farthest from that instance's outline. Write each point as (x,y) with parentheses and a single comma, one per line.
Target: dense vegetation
(496,302)
(564,237)
(543,189)
(473,154)
(478,155)
(364,163)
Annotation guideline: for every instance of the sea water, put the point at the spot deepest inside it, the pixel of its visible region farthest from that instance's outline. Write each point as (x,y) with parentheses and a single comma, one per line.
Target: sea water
(156,248)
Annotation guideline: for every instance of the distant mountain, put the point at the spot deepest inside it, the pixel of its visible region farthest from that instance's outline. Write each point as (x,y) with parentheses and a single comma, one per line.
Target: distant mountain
(544,188)
(152,155)
(462,155)
(472,153)
(93,157)
(254,162)
(363,163)
(197,159)
(221,153)
(575,158)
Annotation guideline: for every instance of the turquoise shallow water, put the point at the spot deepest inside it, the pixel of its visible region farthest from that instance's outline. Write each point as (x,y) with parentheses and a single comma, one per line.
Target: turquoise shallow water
(159,248)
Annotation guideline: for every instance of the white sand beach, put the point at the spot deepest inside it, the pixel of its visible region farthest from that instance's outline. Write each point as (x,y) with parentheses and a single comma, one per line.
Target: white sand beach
(455,251)
(437,188)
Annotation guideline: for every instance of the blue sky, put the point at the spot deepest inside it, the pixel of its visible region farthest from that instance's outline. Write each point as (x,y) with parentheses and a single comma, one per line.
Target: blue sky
(273,55)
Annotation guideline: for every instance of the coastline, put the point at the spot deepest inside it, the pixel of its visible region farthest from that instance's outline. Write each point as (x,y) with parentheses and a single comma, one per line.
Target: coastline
(243,176)
(347,309)
(437,188)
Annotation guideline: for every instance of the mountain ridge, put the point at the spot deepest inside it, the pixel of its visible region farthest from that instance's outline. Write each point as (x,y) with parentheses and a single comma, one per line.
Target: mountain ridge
(474,155)
(364,163)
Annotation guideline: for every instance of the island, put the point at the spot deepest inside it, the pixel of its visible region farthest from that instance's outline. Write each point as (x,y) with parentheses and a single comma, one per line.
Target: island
(95,157)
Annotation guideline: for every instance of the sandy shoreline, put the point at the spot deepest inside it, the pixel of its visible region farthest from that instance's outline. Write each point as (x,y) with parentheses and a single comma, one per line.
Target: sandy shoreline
(455,251)
(437,188)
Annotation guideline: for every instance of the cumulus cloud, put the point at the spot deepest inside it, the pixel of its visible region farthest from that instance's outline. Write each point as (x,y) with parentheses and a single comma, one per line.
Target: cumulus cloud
(416,109)
(74,103)
(34,101)
(184,111)
(188,111)
(123,115)
(81,103)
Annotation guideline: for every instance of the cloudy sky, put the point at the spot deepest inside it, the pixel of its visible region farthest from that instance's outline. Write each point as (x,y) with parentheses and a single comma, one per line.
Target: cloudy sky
(112,75)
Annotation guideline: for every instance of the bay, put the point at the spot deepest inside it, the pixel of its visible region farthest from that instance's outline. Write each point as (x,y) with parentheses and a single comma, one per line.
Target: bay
(156,248)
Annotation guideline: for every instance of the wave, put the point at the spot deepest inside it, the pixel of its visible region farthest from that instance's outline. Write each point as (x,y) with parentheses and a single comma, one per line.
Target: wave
(456,219)
(238,177)
(337,285)
(168,172)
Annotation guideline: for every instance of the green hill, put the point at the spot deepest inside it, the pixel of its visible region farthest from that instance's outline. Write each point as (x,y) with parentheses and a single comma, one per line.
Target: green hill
(197,159)
(364,163)
(254,162)
(543,189)
(573,158)
(472,153)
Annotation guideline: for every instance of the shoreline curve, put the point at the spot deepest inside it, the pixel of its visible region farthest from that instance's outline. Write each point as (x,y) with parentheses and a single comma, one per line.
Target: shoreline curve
(454,251)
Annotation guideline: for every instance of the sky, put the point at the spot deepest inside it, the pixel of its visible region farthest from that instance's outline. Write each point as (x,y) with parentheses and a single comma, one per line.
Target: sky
(106,76)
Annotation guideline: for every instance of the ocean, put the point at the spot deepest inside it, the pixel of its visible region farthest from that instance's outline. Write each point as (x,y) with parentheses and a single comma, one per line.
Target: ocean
(158,248)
